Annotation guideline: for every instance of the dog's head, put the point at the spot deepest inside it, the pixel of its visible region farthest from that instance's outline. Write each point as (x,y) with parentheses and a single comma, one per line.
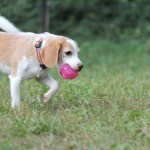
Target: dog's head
(59,50)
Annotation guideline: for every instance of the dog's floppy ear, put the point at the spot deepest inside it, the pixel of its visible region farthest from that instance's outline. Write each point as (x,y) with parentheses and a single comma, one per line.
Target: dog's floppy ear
(49,54)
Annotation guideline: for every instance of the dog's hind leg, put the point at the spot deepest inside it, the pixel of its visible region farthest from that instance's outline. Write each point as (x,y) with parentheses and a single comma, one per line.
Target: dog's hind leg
(51,83)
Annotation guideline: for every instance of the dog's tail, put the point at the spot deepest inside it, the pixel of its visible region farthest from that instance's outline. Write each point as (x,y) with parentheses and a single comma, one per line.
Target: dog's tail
(7,26)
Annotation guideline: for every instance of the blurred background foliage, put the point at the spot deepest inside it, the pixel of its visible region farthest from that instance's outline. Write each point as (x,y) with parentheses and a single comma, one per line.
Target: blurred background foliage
(82,18)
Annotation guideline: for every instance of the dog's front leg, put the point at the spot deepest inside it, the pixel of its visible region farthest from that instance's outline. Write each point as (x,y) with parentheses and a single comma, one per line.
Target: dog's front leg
(15,90)
(51,83)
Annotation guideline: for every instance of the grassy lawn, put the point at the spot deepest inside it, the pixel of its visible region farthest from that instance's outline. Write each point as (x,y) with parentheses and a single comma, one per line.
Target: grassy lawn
(106,108)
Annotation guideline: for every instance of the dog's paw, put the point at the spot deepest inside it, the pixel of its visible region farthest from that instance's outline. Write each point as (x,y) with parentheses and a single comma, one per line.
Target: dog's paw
(15,104)
(47,96)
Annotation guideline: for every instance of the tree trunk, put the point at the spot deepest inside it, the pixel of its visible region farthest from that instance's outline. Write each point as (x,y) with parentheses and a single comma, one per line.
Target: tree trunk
(45,15)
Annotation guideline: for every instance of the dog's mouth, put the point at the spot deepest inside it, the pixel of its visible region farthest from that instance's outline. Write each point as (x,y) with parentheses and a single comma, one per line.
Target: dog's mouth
(67,72)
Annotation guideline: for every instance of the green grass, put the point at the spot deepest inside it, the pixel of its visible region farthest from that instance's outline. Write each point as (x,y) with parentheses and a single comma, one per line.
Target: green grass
(107,107)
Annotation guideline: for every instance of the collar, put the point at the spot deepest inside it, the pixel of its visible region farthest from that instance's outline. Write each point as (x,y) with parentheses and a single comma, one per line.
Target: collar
(38,49)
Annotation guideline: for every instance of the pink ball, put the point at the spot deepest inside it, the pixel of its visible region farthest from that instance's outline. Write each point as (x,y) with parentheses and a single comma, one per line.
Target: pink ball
(67,72)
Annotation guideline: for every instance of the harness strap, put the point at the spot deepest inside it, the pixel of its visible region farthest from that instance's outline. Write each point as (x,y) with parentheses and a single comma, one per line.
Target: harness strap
(38,49)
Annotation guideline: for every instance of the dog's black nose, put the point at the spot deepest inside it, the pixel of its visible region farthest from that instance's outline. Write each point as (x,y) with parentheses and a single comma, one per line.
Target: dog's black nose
(80,66)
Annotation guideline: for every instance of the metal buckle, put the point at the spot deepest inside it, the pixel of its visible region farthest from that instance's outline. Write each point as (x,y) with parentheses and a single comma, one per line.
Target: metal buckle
(38,44)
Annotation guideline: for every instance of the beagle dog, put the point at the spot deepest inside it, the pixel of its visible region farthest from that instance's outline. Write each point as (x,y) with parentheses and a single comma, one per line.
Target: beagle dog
(26,55)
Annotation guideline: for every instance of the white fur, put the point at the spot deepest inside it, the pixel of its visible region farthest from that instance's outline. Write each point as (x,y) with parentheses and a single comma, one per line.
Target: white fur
(51,83)
(15,90)
(7,26)
(5,68)
(73,60)
(29,67)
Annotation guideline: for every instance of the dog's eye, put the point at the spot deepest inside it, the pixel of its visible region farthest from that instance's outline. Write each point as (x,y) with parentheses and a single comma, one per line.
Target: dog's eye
(68,53)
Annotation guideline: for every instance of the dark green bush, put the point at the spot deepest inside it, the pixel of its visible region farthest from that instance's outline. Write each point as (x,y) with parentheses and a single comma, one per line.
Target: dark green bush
(81,17)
